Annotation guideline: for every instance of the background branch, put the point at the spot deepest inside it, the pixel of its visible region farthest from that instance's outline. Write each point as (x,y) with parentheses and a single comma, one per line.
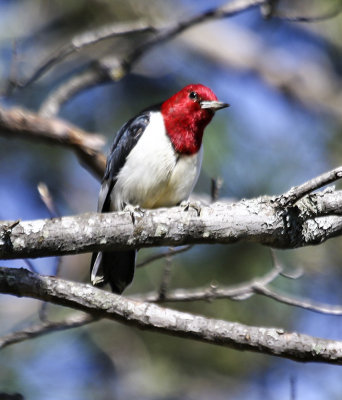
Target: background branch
(113,68)
(20,282)
(86,39)
(28,125)
(45,327)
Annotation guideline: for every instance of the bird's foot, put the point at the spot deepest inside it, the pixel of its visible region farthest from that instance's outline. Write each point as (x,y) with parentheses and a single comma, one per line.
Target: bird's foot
(136,212)
(196,205)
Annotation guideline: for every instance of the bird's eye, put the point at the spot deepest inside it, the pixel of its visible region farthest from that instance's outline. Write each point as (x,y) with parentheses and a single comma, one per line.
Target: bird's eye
(193,95)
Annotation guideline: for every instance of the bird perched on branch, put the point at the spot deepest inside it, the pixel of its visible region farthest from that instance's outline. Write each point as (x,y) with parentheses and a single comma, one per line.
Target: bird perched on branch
(154,161)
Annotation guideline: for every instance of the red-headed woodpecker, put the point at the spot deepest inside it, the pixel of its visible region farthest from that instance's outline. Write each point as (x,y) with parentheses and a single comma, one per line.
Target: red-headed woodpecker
(154,162)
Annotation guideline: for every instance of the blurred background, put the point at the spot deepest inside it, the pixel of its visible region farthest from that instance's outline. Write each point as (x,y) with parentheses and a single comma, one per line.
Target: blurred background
(284,83)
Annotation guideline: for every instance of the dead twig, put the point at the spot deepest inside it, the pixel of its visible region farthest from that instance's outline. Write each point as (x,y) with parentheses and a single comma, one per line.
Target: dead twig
(73,321)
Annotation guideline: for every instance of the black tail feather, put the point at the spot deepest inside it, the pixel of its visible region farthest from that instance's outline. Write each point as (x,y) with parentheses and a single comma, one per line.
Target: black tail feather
(115,268)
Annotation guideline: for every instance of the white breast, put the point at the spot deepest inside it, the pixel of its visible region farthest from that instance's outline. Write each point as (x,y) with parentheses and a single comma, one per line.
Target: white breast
(154,175)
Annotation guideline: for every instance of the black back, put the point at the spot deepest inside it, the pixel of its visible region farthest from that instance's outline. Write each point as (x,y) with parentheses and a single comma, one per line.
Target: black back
(125,140)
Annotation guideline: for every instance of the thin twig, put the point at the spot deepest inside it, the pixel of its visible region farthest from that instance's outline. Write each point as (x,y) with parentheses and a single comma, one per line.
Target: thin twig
(73,321)
(213,292)
(12,79)
(166,278)
(47,199)
(306,304)
(216,186)
(171,252)
(296,193)
(30,265)
(244,291)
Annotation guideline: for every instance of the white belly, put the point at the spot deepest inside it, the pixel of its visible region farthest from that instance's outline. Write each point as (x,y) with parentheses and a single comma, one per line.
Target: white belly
(154,175)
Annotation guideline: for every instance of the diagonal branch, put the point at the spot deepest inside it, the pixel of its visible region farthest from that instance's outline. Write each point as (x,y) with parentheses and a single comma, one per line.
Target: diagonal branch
(73,321)
(169,253)
(86,39)
(114,68)
(28,125)
(101,304)
(296,193)
(306,304)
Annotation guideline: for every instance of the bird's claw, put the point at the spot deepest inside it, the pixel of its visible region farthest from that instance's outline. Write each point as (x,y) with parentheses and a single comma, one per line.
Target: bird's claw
(135,212)
(196,205)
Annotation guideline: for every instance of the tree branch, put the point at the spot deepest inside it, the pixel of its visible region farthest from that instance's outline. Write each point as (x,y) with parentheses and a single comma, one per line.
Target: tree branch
(263,220)
(72,321)
(241,292)
(332,13)
(170,253)
(306,304)
(237,292)
(28,125)
(114,68)
(101,304)
(85,39)
(297,192)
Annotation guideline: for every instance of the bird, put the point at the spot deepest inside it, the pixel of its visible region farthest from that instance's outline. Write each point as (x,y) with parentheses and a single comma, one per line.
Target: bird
(154,161)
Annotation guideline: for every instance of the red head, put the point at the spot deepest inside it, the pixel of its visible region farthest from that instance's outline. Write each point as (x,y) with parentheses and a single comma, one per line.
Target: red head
(187,113)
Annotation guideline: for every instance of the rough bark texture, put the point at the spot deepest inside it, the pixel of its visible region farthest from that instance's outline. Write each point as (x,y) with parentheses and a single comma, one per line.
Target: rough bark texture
(99,303)
(260,220)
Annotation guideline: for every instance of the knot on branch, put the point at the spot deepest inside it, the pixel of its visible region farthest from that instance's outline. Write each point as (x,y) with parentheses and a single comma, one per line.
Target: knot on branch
(293,225)
(5,235)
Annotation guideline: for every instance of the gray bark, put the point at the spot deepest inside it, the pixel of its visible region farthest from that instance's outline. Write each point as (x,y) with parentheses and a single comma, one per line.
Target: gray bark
(99,303)
(314,219)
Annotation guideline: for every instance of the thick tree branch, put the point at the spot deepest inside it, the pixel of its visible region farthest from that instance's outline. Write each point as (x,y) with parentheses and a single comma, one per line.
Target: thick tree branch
(298,347)
(238,292)
(28,125)
(263,220)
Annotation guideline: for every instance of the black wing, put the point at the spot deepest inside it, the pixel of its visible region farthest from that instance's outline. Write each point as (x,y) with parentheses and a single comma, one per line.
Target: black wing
(125,140)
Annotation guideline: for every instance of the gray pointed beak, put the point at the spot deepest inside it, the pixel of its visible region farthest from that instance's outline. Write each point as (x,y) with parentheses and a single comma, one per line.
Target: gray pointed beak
(213,105)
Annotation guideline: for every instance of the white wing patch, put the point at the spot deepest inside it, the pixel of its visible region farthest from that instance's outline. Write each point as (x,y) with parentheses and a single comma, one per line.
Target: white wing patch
(154,175)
